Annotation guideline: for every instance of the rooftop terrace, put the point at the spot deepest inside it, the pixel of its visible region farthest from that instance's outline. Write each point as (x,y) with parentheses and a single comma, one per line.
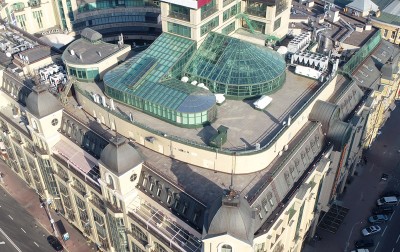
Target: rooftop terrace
(244,131)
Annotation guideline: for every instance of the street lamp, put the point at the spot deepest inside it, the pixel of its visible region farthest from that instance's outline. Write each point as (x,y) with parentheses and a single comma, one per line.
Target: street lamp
(351,232)
(46,204)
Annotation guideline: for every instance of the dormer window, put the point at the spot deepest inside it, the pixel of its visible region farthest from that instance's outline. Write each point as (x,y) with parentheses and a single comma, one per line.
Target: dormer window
(184,209)
(169,198)
(158,191)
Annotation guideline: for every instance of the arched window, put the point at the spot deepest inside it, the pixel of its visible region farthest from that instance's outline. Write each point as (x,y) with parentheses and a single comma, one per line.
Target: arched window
(110,182)
(226,248)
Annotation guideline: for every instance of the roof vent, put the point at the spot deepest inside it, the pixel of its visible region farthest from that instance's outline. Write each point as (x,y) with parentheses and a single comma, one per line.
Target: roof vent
(72,52)
(99,53)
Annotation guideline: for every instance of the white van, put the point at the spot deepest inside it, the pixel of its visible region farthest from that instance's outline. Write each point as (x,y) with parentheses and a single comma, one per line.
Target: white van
(391,200)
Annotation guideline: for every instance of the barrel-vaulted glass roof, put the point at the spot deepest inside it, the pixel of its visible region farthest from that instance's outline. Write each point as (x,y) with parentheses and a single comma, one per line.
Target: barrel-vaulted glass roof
(151,64)
(228,61)
(149,81)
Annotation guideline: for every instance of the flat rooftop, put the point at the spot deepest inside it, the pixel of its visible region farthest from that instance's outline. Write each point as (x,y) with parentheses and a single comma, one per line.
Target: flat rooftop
(244,131)
(82,51)
(336,31)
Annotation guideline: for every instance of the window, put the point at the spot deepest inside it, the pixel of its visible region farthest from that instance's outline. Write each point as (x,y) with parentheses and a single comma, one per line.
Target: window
(110,182)
(54,122)
(158,191)
(393,35)
(179,12)
(270,200)
(226,248)
(169,198)
(184,209)
(229,28)
(179,30)
(159,248)
(277,24)
(208,9)
(385,33)
(209,26)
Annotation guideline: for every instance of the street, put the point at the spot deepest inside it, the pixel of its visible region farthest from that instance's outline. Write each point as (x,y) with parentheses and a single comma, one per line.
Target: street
(18,229)
(24,208)
(361,195)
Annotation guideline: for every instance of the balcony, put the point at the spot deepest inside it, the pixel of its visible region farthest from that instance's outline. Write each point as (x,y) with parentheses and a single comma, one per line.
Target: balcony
(144,243)
(114,208)
(99,206)
(209,12)
(79,190)
(256,12)
(181,16)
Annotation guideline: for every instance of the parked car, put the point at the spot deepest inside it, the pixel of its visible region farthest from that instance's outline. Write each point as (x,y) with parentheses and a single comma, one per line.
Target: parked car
(371,230)
(55,243)
(379,218)
(390,200)
(383,210)
(391,193)
(364,243)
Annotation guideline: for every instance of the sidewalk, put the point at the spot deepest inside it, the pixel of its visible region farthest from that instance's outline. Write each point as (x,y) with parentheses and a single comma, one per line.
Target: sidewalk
(28,199)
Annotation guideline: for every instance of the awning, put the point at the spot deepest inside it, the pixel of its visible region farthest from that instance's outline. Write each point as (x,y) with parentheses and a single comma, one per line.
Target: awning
(392,106)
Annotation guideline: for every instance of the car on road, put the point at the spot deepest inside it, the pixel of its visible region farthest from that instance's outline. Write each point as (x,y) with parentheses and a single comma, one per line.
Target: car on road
(383,210)
(364,243)
(371,230)
(379,218)
(55,243)
(360,250)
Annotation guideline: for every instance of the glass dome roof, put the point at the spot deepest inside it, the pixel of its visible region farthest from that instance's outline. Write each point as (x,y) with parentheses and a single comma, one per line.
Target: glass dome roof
(231,61)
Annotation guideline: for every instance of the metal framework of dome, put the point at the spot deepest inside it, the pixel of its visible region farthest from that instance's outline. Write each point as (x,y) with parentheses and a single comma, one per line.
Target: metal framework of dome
(150,82)
(236,68)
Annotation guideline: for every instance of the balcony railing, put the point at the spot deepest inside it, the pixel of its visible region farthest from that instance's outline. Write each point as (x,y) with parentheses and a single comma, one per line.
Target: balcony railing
(181,16)
(98,205)
(256,12)
(113,208)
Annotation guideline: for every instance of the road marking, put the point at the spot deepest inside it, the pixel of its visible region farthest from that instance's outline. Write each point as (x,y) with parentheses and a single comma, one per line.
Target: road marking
(10,217)
(384,231)
(398,237)
(392,249)
(8,238)
(392,215)
(377,245)
(36,244)
(23,230)
(2,242)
